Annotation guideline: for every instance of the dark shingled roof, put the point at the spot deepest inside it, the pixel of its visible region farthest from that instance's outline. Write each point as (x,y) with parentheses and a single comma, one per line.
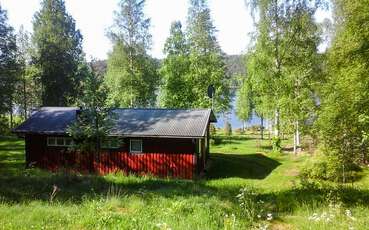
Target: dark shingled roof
(130,122)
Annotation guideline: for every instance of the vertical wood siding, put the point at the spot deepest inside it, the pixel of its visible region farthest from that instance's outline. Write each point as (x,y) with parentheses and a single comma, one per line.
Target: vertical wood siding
(158,164)
(178,165)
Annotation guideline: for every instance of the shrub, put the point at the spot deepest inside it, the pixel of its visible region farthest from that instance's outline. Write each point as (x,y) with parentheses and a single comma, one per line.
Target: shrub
(239,131)
(212,130)
(215,140)
(276,144)
(254,129)
(323,167)
(227,129)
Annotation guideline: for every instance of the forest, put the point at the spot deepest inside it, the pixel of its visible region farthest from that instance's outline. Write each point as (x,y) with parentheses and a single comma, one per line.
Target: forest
(312,97)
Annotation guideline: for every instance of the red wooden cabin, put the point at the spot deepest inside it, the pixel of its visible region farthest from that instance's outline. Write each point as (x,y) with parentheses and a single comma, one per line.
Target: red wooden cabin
(161,142)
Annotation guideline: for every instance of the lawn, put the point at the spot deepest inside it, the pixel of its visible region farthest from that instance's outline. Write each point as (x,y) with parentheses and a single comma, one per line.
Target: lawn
(273,194)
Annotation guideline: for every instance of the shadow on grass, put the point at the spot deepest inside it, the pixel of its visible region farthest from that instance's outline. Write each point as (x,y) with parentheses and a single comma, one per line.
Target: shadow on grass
(236,137)
(36,185)
(293,199)
(18,185)
(247,166)
(270,148)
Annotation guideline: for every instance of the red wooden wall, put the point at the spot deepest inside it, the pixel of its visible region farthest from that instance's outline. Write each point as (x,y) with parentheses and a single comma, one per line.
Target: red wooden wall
(162,157)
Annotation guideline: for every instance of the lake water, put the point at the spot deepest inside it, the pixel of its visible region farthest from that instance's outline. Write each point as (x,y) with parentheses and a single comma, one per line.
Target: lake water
(234,121)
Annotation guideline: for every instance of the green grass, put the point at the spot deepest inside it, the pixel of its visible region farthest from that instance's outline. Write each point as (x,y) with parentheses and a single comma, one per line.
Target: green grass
(130,202)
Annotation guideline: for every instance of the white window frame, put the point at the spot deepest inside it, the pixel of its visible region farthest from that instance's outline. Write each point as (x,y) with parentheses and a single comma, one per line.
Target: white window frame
(48,141)
(130,145)
(64,142)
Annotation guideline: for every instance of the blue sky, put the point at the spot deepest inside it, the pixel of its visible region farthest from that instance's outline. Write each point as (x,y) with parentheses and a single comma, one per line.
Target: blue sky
(93,18)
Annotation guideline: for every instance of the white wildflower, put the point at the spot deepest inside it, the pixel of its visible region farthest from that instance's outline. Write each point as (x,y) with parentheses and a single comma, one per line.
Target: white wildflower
(269,216)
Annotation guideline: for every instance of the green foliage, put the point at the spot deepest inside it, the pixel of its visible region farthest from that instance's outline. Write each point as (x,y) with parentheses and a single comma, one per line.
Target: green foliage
(94,119)
(8,64)
(132,76)
(343,121)
(276,144)
(126,202)
(194,61)
(283,63)
(322,167)
(28,87)
(207,66)
(251,207)
(212,130)
(244,105)
(176,90)
(58,53)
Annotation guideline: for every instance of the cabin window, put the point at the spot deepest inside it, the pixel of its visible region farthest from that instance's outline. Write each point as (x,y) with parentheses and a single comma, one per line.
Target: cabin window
(135,146)
(60,141)
(51,141)
(110,143)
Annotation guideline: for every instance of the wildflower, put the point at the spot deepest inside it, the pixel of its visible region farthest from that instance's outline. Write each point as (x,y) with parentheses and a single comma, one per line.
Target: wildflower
(349,214)
(269,216)
(263,227)
(314,217)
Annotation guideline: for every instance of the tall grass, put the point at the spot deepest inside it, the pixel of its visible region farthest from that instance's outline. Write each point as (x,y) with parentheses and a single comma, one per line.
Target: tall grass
(272,195)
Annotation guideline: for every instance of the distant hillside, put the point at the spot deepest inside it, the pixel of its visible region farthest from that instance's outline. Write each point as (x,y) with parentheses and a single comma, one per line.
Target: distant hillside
(235,66)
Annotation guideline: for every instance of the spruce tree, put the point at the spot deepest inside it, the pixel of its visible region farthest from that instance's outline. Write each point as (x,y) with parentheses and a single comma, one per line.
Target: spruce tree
(207,66)
(8,64)
(58,53)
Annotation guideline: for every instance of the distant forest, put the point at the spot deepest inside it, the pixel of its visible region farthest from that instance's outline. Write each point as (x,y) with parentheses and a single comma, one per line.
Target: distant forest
(235,66)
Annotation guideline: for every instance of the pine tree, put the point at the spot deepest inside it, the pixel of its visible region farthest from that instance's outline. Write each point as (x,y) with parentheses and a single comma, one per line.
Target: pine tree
(207,65)
(8,65)
(132,74)
(175,90)
(58,53)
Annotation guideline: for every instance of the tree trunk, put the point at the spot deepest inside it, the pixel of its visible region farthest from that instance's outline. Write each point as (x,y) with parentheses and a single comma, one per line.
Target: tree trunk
(270,130)
(261,127)
(294,143)
(11,117)
(24,98)
(297,136)
(276,123)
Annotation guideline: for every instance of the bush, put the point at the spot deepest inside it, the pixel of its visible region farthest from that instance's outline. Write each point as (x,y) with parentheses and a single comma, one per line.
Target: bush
(227,129)
(330,168)
(212,130)
(276,144)
(254,128)
(239,131)
(215,140)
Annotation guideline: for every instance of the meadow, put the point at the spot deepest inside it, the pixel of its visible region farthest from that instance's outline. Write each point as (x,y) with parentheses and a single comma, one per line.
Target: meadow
(246,186)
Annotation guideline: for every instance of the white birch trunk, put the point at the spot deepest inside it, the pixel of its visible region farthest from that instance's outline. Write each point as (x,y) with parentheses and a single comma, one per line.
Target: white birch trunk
(276,123)
(296,138)
(294,142)
(297,134)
